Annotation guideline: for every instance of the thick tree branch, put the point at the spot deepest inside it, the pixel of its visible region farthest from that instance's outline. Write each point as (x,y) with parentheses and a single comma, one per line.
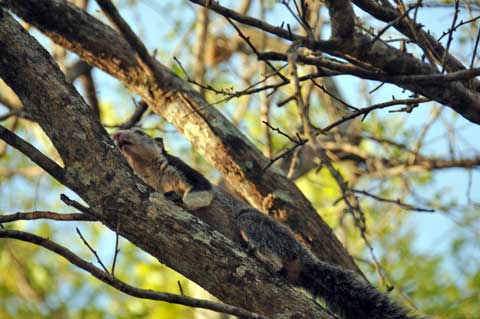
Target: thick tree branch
(121,285)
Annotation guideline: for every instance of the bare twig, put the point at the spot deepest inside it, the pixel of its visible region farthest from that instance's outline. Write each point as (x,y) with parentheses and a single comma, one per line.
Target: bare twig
(77,205)
(180,288)
(298,141)
(250,44)
(450,35)
(92,250)
(394,201)
(117,250)
(333,96)
(367,110)
(392,23)
(475,48)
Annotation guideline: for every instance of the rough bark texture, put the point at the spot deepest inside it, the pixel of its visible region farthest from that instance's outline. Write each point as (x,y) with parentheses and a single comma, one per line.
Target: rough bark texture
(207,129)
(96,171)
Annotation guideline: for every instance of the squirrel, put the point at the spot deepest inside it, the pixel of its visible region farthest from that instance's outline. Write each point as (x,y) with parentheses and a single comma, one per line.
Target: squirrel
(162,171)
(346,294)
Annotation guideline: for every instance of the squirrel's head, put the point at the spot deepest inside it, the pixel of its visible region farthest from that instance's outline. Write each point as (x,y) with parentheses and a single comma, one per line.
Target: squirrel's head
(137,146)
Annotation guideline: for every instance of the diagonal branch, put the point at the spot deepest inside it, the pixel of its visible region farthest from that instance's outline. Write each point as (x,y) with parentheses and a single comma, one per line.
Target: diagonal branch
(6,218)
(121,285)
(55,170)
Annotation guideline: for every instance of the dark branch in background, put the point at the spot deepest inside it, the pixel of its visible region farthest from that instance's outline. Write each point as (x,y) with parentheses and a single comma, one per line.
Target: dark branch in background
(83,70)
(117,250)
(393,22)
(14,112)
(45,215)
(450,36)
(386,13)
(365,111)
(394,201)
(250,44)
(337,68)
(146,60)
(76,70)
(77,205)
(122,286)
(55,170)
(91,92)
(140,109)
(348,196)
(342,19)
(94,252)
(298,141)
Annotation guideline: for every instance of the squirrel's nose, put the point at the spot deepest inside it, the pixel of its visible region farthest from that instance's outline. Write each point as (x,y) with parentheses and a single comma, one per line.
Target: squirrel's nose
(117,135)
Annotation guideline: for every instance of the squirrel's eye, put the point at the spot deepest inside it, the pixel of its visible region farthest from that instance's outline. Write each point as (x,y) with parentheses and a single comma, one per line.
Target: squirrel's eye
(140,132)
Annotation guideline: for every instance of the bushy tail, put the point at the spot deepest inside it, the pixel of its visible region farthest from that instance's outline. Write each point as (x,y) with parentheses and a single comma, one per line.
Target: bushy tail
(348,295)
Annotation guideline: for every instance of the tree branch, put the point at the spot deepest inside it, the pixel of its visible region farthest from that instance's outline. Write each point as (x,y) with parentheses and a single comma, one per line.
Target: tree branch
(45,215)
(52,168)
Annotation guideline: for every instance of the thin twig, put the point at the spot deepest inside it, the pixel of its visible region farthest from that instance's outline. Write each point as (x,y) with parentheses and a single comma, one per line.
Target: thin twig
(297,139)
(77,205)
(394,201)
(92,250)
(475,48)
(180,288)
(333,96)
(116,248)
(366,110)
(392,23)
(450,36)
(250,44)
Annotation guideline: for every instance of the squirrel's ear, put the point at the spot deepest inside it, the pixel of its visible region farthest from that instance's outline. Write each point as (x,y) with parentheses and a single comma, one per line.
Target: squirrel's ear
(159,142)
